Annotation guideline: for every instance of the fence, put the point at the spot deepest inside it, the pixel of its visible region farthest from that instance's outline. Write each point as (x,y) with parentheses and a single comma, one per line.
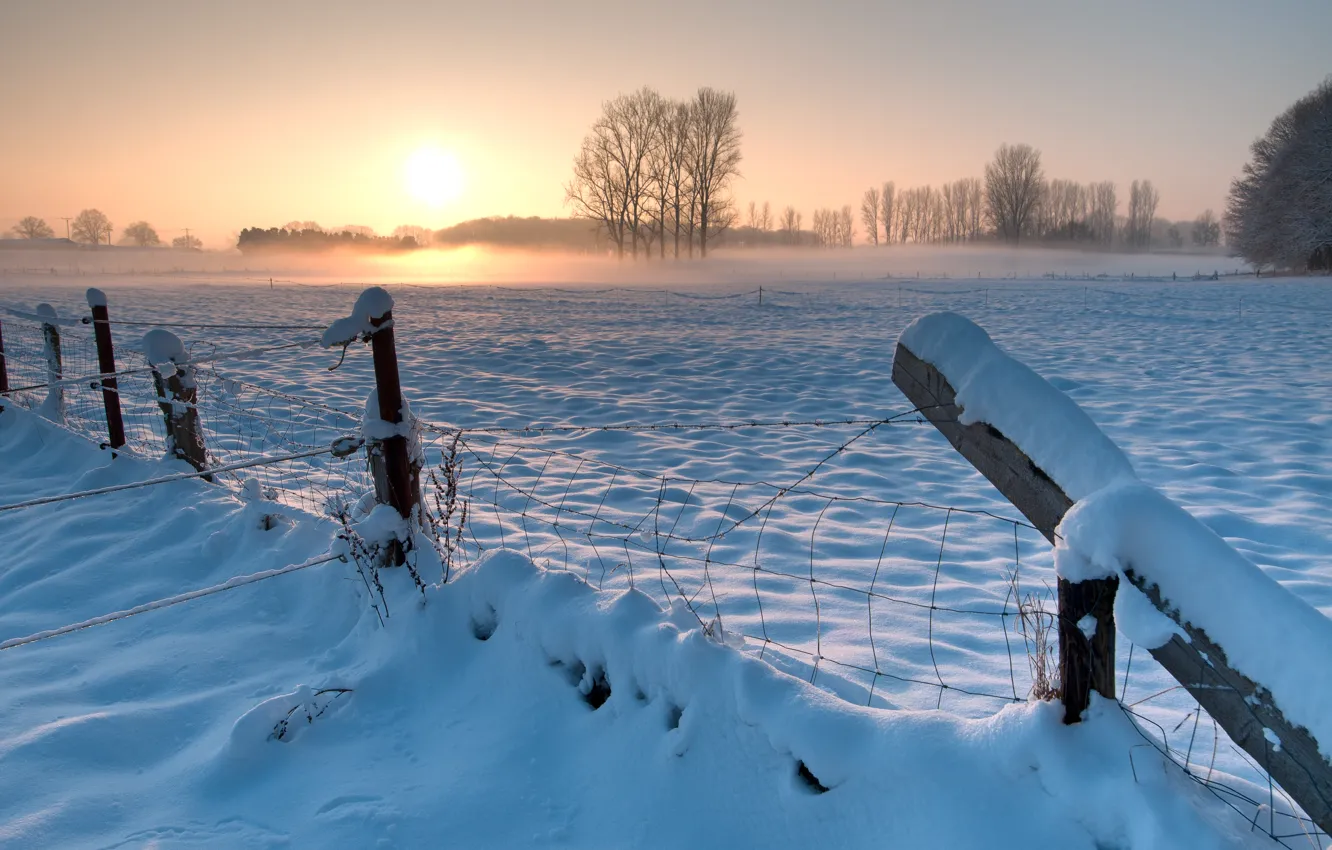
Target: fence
(884,602)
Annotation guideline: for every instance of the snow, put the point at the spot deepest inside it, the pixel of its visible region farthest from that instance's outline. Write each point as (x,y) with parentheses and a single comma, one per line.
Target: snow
(995,389)
(372,304)
(1268,633)
(161,346)
(96,297)
(129,732)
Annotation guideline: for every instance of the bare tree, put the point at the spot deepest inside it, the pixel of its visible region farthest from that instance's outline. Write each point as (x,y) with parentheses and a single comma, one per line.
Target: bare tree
(1206,230)
(92,226)
(869,214)
(765,218)
(887,197)
(1103,210)
(716,160)
(753,220)
(1143,199)
(1012,189)
(789,224)
(611,170)
(32,227)
(140,233)
(188,243)
(846,226)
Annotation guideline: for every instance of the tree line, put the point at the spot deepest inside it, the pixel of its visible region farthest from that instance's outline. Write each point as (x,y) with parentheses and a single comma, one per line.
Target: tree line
(92,227)
(1012,202)
(654,173)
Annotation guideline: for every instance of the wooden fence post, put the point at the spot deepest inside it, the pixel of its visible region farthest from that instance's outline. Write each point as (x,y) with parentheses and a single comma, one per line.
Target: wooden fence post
(177,396)
(54,406)
(1086,609)
(1245,709)
(106,364)
(401,478)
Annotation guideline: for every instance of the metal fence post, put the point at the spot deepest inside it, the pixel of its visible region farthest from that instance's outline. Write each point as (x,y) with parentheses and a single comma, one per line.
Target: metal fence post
(403,477)
(177,396)
(106,364)
(54,406)
(4,372)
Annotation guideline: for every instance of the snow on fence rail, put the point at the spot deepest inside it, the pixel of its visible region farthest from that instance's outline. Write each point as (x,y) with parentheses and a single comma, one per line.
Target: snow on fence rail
(887,602)
(1251,653)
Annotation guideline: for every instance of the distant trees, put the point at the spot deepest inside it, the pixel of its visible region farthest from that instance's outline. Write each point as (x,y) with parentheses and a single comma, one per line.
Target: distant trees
(32,227)
(1279,211)
(652,166)
(1206,230)
(140,233)
(420,235)
(790,224)
(1012,189)
(91,226)
(1143,199)
(760,218)
(187,243)
(257,239)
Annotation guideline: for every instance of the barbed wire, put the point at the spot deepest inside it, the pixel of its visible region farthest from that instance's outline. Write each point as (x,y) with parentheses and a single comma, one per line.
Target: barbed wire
(159,604)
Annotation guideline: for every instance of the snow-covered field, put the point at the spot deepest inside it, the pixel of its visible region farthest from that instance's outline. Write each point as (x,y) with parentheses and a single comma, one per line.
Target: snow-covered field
(878,578)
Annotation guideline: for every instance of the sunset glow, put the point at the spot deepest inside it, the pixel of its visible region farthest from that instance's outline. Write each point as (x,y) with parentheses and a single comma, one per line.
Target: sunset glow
(434,177)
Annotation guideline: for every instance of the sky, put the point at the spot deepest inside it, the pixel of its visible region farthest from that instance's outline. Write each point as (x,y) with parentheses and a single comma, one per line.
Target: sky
(221,115)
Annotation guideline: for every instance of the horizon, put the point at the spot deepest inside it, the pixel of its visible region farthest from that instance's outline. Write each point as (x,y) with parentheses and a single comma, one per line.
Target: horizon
(383,123)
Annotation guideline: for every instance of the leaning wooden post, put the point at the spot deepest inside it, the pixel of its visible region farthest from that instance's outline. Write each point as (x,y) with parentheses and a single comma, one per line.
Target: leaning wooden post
(1086,609)
(177,396)
(1236,698)
(54,406)
(106,364)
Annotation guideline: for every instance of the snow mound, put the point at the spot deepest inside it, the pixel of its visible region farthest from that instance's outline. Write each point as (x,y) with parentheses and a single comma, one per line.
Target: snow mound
(161,346)
(997,390)
(1269,634)
(372,304)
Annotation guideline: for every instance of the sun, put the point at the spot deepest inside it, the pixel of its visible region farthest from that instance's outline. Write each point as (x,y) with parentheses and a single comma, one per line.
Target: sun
(434,176)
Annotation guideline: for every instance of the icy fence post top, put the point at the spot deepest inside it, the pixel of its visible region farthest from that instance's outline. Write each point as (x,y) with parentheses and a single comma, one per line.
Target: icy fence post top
(96,297)
(370,308)
(161,346)
(1255,656)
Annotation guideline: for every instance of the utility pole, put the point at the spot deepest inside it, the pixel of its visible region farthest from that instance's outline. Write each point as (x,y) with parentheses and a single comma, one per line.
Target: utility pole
(188,244)
(67,219)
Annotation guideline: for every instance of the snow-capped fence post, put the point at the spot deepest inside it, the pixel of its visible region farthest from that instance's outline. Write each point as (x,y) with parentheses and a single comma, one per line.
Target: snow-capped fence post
(1230,635)
(54,406)
(177,396)
(106,364)
(402,479)
(396,473)
(1086,609)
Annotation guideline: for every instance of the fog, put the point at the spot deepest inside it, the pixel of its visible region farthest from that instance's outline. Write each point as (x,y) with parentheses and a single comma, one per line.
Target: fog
(481,265)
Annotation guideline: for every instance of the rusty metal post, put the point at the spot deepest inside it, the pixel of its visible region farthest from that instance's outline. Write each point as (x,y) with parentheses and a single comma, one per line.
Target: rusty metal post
(4,372)
(403,483)
(106,364)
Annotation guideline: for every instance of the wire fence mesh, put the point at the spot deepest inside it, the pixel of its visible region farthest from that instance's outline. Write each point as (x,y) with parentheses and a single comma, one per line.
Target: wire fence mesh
(885,602)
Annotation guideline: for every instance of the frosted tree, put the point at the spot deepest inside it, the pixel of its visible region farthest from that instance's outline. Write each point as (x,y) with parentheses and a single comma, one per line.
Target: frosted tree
(1013,190)
(1206,229)
(1279,211)
(92,226)
(32,227)
(140,233)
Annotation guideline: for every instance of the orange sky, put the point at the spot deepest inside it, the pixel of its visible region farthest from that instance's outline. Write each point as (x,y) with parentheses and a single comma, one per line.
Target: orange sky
(217,116)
